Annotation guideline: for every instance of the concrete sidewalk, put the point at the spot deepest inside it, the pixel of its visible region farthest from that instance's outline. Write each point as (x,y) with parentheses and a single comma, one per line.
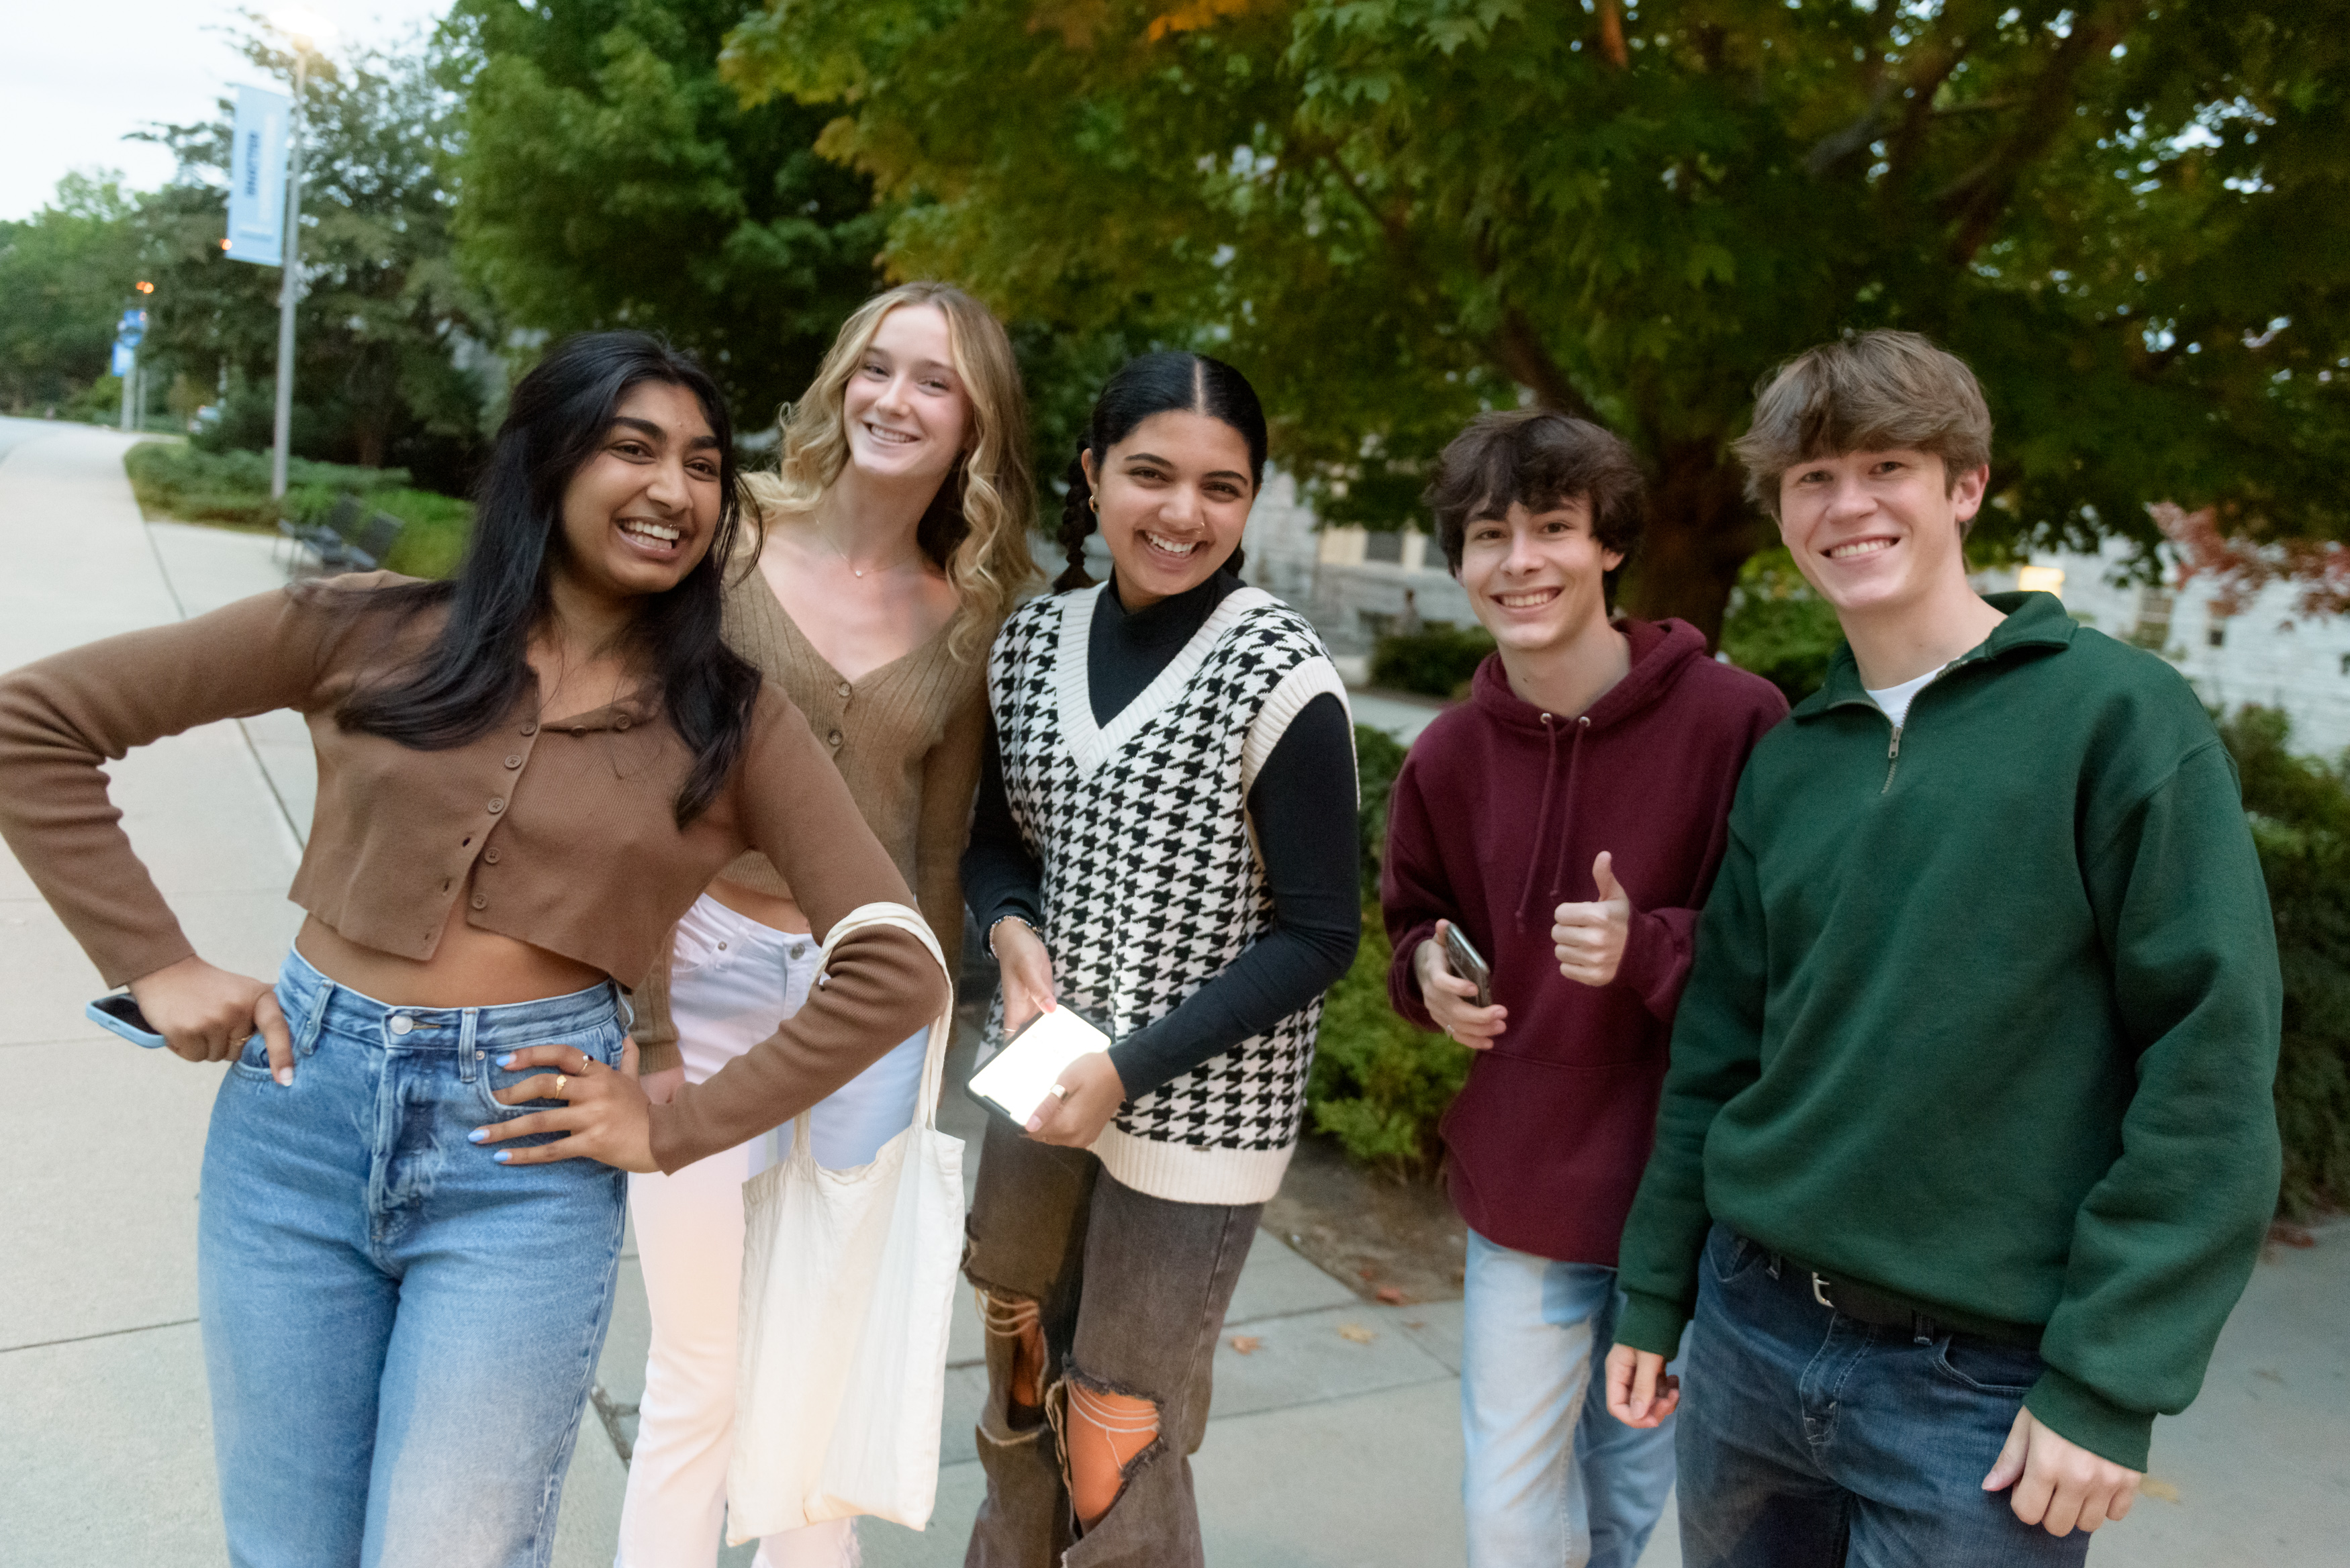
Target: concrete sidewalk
(1327,1447)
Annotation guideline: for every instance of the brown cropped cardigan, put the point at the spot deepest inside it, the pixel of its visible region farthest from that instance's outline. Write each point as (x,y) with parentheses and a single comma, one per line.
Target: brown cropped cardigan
(907,739)
(563,836)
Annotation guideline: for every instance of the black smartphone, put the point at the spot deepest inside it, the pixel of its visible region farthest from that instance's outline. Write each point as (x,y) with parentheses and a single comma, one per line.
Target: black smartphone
(120,1015)
(1469,963)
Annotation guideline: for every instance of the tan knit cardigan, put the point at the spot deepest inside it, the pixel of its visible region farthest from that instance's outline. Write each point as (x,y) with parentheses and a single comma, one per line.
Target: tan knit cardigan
(907,738)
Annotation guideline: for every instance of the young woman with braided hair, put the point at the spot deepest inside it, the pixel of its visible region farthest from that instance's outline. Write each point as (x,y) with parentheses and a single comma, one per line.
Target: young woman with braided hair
(1164,841)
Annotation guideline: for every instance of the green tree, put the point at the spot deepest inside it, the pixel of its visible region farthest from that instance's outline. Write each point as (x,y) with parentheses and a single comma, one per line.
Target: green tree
(392,358)
(609,179)
(1393,213)
(66,275)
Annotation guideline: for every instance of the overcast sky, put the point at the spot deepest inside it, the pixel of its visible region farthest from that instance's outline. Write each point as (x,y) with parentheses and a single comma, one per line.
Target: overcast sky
(74,78)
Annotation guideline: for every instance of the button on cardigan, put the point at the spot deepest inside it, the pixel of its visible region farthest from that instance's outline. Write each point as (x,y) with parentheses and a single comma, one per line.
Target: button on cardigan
(573,847)
(906,738)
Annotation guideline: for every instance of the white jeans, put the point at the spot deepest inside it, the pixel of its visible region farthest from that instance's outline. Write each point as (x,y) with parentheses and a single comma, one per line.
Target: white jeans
(732,981)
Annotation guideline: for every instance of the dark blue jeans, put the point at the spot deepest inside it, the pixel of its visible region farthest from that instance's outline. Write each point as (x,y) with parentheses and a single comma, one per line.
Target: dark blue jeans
(1809,1439)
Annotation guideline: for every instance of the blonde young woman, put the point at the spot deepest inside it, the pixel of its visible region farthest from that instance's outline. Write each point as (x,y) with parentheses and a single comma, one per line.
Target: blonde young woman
(895,543)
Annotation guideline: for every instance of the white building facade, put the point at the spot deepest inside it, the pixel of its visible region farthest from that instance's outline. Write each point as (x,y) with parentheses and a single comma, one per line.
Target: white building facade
(2267,653)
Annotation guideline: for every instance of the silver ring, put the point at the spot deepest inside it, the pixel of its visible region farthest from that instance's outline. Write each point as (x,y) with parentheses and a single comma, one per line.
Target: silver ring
(1059,1091)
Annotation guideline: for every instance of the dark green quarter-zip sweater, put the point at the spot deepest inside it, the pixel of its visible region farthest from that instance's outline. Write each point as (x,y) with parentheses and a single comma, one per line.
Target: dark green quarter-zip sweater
(1984,1013)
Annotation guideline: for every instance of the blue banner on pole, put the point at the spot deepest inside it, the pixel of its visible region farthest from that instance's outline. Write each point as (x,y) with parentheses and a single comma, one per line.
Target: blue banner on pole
(256,179)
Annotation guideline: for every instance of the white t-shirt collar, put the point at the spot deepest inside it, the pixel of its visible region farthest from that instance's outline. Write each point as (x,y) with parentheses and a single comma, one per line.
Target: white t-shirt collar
(1895,699)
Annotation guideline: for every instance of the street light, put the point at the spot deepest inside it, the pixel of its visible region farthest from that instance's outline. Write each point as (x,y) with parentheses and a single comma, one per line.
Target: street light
(306,30)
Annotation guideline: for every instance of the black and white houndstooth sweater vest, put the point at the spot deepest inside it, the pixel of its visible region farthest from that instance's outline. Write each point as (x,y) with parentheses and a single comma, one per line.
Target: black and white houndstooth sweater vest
(1151,883)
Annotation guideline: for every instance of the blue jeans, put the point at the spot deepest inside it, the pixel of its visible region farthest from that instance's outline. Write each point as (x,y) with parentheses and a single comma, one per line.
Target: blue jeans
(1810,1439)
(1550,1479)
(399,1332)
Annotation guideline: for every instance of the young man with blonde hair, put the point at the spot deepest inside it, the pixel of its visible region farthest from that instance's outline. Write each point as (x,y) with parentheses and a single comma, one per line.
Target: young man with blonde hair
(1967,1149)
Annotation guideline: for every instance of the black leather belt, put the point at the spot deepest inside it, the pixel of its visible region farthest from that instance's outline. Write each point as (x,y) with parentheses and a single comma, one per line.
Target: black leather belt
(1884,1309)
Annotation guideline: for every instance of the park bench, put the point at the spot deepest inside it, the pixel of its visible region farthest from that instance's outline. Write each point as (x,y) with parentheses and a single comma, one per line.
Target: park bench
(363,550)
(350,540)
(319,538)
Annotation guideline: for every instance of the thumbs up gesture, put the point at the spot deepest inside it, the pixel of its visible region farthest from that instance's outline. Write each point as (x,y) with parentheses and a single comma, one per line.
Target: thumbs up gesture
(1589,937)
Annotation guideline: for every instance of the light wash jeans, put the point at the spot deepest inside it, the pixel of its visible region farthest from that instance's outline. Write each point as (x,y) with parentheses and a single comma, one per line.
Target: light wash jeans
(731,980)
(398,1330)
(1550,1479)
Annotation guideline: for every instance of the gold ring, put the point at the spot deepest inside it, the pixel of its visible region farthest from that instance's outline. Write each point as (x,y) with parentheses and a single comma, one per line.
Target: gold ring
(1059,1091)
(560,1079)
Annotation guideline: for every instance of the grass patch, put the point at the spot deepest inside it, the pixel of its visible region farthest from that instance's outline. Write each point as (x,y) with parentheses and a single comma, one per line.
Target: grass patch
(230,490)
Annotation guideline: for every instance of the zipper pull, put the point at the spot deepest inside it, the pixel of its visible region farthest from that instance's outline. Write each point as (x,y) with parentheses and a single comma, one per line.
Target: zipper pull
(1892,759)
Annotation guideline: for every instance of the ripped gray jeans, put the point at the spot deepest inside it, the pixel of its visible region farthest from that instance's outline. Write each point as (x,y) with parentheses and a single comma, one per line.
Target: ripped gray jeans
(1103,1308)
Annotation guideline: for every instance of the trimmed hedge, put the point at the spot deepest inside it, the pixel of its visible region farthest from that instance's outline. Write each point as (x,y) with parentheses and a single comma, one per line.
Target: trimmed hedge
(1435,661)
(231,489)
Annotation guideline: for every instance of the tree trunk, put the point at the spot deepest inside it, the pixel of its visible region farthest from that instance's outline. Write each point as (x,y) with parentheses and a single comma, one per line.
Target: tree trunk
(372,443)
(1699,532)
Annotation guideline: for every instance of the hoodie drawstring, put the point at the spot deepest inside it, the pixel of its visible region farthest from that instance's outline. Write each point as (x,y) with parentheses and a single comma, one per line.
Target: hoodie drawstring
(1551,727)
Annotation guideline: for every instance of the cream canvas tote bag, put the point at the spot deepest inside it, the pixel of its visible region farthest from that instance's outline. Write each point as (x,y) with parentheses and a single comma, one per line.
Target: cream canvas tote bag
(848,1280)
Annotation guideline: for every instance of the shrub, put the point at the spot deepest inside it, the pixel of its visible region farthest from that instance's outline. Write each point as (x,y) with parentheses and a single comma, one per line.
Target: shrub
(2300,812)
(1379,757)
(1435,661)
(1380,1085)
(232,489)
(1777,627)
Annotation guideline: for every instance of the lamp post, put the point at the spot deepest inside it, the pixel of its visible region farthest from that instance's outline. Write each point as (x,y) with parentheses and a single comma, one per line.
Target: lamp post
(305,31)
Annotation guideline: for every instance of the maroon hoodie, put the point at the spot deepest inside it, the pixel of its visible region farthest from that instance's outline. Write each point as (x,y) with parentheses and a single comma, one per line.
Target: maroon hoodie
(1496,817)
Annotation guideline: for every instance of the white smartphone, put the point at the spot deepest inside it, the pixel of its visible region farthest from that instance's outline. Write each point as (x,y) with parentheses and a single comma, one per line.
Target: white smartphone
(1016,1079)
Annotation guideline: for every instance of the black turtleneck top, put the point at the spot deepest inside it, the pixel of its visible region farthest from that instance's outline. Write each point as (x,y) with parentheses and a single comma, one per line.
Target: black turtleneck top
(1302,807)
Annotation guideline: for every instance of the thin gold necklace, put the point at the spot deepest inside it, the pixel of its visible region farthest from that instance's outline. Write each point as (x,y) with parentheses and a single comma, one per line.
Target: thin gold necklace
(854,568)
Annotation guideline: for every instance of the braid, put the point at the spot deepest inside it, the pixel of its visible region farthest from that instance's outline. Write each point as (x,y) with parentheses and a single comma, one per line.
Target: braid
(1077,524)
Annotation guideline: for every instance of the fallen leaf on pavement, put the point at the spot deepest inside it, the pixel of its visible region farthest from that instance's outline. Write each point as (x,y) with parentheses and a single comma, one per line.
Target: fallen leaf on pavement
(1246,1344)
(1357,1333)
(1392,1295)
(2154,1485)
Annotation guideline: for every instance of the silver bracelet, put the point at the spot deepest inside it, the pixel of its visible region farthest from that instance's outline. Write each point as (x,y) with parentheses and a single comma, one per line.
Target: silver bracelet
(990,938)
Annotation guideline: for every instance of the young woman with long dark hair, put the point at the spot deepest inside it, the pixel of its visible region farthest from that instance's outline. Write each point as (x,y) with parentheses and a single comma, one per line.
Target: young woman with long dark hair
(895,537)
(1165,842)
(412,1210)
